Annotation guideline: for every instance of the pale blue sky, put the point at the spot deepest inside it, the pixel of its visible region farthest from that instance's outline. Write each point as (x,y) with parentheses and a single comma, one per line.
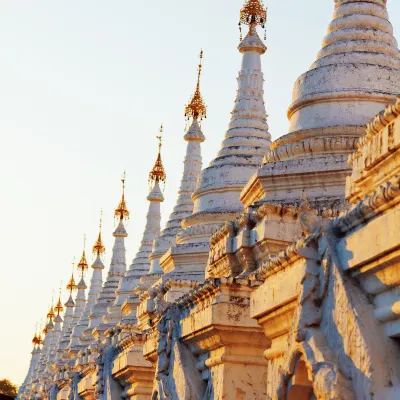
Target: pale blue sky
(84,86)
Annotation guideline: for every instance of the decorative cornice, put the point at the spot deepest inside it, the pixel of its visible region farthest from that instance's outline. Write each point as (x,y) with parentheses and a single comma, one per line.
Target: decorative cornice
(202,291)
(130,340)
(373,162)
(381,199)
(382,120)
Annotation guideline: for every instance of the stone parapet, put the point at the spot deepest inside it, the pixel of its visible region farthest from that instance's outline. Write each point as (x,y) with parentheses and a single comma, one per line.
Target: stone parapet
(263,232)
(376,159)
(315,142)
(132,370)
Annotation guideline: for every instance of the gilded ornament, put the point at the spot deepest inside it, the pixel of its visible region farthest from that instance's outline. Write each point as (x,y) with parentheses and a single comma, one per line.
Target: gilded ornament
(196,109)
(98,247)
(157,174)
(121,211)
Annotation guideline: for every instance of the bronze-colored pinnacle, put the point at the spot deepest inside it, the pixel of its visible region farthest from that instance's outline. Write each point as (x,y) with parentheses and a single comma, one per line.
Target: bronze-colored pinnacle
(196,108)
(59,308)
(50,314)
(121,211)
(253,12)
(98,247)
(157,174)
(83,265)
(71,285)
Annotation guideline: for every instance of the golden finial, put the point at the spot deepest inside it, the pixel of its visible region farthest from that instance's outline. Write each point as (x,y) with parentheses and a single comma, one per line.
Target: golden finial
(196,108)
(50,314)
(98,247)
(157,174)
(59,308)
(71,284)
(253,13)
(35,339)
(121,211)
(83,265)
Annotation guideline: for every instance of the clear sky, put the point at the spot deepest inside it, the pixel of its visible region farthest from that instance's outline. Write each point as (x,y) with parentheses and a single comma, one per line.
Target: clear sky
(84,86)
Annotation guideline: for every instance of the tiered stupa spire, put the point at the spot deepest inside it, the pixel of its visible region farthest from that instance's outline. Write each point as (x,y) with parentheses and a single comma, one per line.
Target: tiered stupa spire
(80,303)
(68,318)
(80,299)
(115,273)
(196,111)
(25,388)
(79,338)
(141,264)
(48,331)
(55,312)
(217,196)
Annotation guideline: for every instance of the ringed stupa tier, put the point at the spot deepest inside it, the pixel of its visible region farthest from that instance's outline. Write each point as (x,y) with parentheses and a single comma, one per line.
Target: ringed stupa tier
(174,256)
(38,371)
(78,339)
(356,73)
(80,300)
(80,304)
(47,376)
(58,309)
(66,328)
(217,197)
(99,317)
(48,332)
(25,389)
(62,358)
(196,111)
(141,264)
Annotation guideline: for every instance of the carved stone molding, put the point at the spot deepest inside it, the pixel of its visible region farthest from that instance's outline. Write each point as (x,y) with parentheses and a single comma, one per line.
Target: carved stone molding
(312,146)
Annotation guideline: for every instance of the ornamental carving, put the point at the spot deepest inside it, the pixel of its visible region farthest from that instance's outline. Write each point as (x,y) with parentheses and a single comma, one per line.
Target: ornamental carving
(312,145)
(301,369)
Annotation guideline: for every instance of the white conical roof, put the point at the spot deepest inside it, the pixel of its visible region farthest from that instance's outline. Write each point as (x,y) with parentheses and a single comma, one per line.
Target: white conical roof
(356,73)
(184,203)
(217,196)
(141,263)
(360,32)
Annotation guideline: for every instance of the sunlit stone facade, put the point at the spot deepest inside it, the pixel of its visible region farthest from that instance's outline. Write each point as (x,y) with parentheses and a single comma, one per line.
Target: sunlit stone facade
(277,275)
